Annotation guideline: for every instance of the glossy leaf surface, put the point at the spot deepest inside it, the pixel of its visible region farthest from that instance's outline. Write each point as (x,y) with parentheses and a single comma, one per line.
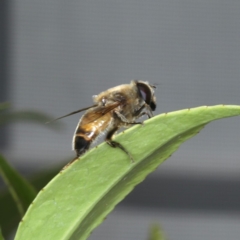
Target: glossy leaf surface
(79,198)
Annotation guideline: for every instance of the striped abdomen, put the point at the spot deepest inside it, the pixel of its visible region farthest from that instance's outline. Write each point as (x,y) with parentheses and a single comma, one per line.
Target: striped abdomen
(90,126)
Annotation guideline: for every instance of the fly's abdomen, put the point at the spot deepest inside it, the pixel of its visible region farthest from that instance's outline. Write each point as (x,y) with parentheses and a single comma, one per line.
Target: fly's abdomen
(88,129)
(83,139)
(81,145)
(87,132)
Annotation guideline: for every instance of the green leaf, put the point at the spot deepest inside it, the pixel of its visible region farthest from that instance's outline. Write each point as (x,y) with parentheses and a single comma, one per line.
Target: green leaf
(1,236)
(4,106)
(22,192)
(78,199)
(156,233)
(7,117)
(9,217)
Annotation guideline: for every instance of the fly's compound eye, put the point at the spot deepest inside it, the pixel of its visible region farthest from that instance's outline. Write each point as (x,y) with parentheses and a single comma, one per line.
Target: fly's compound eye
(145,92)
(147,95)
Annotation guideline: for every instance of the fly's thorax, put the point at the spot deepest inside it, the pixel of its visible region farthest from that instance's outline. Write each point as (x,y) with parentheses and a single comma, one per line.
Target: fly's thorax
(112,94)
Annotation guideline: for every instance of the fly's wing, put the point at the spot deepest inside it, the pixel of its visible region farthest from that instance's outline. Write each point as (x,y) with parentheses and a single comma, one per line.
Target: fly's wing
(98,112)
(72,113)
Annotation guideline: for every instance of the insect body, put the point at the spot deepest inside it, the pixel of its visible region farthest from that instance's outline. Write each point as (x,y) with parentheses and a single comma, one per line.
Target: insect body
(114,108)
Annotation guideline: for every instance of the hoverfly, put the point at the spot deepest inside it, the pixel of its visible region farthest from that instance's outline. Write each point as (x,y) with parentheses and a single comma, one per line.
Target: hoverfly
(113,109)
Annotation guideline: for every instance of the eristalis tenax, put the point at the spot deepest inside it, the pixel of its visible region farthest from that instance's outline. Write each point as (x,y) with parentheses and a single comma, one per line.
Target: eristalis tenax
(113,109)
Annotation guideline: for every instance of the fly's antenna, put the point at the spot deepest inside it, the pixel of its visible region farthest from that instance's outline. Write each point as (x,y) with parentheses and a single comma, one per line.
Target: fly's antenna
(155,85)
(72,113)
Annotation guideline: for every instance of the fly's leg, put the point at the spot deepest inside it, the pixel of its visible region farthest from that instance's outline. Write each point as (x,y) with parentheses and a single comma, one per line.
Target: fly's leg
(139,112)
(124,120)
(144,113)
(114,144)
(118,145)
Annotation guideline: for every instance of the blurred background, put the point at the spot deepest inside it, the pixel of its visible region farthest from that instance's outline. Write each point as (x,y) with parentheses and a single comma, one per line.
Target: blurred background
(56,54)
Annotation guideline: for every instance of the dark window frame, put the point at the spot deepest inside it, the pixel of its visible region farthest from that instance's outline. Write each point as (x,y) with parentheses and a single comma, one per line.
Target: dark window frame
(4,64)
